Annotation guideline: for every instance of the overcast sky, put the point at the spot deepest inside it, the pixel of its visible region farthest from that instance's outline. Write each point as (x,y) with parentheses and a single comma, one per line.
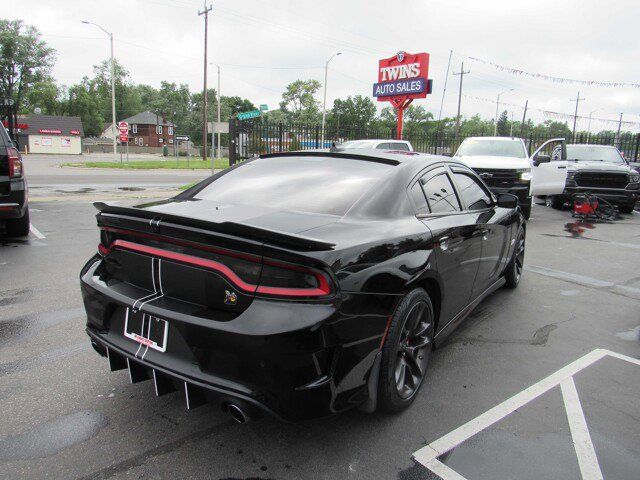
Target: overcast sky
(262,45)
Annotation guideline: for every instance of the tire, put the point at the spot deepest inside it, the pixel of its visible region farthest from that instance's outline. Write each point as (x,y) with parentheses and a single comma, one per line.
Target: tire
(526,210)
(557,202)
(626,208)
(19,227)
(515,268)
(406,352)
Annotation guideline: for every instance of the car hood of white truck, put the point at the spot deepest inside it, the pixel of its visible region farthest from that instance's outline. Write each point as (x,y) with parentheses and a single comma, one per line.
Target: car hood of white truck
(494,162)
(583,166)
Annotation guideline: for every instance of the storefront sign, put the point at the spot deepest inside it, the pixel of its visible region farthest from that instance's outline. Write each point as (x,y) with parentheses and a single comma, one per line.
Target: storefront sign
(74,132)
(50,131)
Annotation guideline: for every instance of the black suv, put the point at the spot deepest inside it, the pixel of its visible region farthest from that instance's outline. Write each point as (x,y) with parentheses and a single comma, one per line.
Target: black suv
(14,208)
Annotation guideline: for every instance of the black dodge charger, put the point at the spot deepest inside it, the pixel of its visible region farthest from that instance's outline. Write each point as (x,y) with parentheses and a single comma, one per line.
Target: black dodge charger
(299,284)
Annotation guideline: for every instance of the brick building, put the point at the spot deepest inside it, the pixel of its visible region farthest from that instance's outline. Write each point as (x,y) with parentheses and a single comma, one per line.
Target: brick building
(146,129)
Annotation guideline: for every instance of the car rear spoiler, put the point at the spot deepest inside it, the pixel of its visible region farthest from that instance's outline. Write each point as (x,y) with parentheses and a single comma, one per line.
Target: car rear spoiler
(273,237)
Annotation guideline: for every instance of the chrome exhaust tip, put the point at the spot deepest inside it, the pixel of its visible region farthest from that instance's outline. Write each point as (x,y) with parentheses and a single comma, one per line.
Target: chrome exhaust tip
(238,414)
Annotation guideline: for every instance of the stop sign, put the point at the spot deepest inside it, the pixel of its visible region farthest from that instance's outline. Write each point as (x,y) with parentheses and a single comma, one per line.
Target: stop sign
(123,127)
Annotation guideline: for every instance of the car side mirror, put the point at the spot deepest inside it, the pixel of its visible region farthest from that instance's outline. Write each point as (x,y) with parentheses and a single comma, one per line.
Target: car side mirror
(507,200)
(538,159)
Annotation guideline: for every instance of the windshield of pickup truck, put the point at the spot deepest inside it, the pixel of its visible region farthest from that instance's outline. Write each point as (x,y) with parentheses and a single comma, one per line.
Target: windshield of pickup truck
(590,153)
(493,148)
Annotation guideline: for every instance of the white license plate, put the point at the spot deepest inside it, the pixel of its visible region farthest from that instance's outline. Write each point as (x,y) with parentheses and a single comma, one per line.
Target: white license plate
(146,329)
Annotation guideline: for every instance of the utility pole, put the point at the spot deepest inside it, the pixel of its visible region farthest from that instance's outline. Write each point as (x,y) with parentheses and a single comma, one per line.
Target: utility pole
(324,101)
(524,116)
(205,12)
(462,73)
(575,115)
(618,132)
(589,125)
(113,90)
(444,90)
(219,155)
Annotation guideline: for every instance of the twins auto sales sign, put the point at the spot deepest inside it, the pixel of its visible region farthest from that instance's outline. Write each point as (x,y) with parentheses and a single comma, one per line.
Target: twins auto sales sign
(403,76)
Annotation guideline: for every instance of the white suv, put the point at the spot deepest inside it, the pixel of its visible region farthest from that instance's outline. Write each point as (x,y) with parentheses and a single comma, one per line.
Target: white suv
(503,164)
(401,145)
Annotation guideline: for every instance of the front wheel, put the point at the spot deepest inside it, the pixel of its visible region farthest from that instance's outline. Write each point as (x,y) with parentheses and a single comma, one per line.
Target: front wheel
(626,208)
(406,352)
(557,202)
(516,264)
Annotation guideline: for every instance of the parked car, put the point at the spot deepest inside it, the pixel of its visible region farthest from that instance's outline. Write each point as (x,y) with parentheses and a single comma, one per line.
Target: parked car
(503,163)
(14,207)
(598,169)
(401,145)
(299,284)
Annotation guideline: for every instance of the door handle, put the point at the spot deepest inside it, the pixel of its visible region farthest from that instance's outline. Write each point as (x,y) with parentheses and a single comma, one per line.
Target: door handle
(561,166)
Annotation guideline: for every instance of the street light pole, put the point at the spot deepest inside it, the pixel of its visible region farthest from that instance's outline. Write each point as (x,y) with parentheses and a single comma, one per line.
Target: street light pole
(324,101)
(219,155)
(113,90)
(495,122)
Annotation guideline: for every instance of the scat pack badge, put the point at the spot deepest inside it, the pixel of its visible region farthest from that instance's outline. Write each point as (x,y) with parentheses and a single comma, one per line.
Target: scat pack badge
(230,298)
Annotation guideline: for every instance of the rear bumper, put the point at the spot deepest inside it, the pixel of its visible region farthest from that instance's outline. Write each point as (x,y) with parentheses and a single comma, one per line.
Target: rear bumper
(617,196)
(14,204)
(291,360)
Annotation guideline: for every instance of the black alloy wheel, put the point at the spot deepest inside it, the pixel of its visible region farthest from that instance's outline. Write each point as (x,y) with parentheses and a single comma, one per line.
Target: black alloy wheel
(412,353)
(516,265)
(406,351)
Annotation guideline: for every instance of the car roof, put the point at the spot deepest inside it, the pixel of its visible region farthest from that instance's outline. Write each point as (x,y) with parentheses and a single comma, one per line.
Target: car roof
(504,139)
(376,140)
(391,157)
(589,145)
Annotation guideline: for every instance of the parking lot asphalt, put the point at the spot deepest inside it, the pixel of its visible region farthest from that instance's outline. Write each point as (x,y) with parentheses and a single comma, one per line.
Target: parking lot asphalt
(64,415)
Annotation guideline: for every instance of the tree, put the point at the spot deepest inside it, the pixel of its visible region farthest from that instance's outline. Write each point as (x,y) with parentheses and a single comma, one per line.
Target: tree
(128,101)
(299,102)
(46,96)
(83,101)
(503,126)
(353,113)
(25,60)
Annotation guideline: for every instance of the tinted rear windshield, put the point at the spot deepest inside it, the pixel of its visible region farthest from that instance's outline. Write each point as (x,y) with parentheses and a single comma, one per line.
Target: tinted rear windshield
(593,154)
(497,148)
(304,184)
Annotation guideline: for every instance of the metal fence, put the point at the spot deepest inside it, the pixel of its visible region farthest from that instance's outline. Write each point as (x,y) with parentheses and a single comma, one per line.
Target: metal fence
(250,138)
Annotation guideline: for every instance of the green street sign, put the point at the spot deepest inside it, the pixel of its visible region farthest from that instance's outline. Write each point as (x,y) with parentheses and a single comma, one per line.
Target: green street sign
(264,107)
(248,115)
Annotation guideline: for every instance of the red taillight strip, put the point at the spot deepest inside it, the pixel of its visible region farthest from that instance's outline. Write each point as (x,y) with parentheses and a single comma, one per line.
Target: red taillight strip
(322,290)
(14,158)
(181,257)
(183,243)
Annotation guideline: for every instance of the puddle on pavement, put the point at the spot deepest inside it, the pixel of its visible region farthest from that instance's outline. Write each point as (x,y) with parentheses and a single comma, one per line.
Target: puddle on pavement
(19,326)
(79,190)
(632,335)
(577,229)
(131,189)
(10,297)
(53,436)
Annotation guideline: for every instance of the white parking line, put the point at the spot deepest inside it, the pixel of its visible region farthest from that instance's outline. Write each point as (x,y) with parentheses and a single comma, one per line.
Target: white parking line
(36,232)
(428,455)
(587,459)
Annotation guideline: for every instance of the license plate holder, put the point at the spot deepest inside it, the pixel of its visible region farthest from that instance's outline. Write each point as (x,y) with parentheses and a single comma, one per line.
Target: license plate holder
(146,329)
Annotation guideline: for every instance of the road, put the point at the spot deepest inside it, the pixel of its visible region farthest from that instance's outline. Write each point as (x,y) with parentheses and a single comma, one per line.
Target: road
(66,416)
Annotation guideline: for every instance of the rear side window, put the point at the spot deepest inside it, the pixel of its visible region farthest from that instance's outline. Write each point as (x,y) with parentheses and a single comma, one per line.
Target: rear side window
(419,200)
(322,185)
(384,146)
(399,146)
(440,194)
(5,141)
(472,193)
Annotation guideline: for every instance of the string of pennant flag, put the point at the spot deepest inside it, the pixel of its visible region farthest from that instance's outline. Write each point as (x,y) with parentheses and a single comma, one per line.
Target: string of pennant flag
(557,115)
(552,78)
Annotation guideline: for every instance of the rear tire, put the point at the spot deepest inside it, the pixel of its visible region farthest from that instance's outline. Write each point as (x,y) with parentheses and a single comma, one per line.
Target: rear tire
(406,352)
(626,208)
(516,264)
(557,202)
(19,227)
